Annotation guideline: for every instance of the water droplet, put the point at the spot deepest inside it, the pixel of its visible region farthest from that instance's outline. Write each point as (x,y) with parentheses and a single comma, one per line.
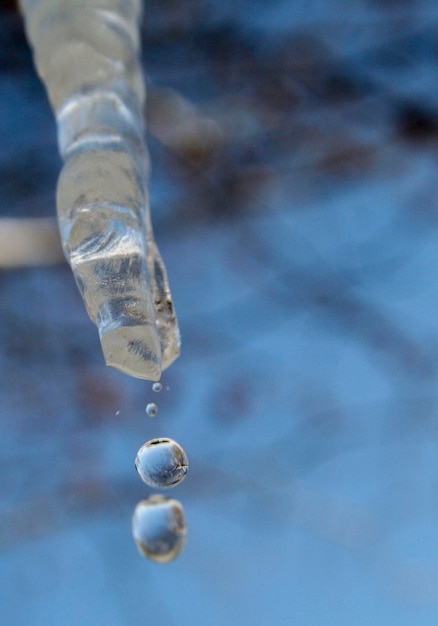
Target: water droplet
(161,463)
(157,387)
(117,413)
(152,409)
(159,528)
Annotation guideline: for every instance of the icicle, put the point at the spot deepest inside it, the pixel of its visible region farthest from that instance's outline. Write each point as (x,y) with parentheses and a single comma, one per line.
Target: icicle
(86,53)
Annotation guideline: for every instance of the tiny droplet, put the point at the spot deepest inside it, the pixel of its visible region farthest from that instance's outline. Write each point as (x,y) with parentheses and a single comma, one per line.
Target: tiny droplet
(117,413)
(157,387)
(152,409)
(161,463)
(159,528)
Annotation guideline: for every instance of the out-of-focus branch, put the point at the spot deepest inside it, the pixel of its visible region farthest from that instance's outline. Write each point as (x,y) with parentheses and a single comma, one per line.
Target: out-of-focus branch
(33,241)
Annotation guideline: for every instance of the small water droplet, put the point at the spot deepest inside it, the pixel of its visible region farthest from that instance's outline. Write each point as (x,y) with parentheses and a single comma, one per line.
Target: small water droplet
(152,409)
(161,463)
(117,413)
(157,387)
(159,528)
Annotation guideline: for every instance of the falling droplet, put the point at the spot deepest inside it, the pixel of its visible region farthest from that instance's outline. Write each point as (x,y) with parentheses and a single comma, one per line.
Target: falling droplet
(159,528)
(117,413)
(161,463)
(152,409)
(157,387)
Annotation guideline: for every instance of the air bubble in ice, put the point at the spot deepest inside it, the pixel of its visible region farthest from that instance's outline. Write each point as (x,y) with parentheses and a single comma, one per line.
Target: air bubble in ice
(161,463)
(159,528)
(152,409)
(157,387)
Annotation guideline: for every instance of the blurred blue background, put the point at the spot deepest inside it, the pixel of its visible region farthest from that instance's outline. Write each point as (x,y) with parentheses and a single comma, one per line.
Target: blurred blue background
(294,198)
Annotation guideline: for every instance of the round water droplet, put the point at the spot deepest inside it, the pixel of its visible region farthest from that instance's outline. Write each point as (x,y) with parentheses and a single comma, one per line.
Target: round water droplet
(161,463)
(157,387)
(159,528)
(152,409)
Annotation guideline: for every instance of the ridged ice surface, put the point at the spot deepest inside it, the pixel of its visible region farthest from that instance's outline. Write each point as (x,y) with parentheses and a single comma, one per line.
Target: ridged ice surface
(86,53)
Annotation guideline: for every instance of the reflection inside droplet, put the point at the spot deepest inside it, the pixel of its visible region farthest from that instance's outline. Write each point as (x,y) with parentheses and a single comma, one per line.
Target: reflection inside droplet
(161,463)
(159,528)
(152,409)
(157,387)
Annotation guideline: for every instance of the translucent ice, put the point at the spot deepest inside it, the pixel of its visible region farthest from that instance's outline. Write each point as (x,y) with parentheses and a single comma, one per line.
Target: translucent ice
(86,53)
